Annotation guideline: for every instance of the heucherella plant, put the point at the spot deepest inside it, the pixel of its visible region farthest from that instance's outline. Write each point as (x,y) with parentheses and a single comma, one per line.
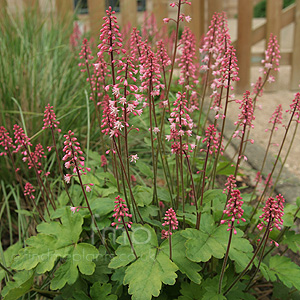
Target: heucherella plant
(144,200)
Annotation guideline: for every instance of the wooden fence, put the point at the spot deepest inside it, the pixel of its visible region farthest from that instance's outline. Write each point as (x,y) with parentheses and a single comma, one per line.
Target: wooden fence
(201,11)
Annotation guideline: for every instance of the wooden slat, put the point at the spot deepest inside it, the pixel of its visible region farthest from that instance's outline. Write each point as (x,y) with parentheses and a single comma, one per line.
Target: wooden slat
(214,6)
(96,13)
(286,58)
(245,13)
(287,17)
(129,12)
(64,7)
(160,11)
(196,12)
(295,75)
(274,8)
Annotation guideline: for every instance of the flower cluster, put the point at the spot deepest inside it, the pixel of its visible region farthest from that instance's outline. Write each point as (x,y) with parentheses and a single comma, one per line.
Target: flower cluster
(121,211)
(86,55)
(272,55)
(234,210)
(295,107)
(171,221)
(29,190)
(246,116)
(212,141)
(181,123)
(5,141)
(230,185)
(272,213)
(50,118)
(21,140)
(187,58)
(276,117)
(110,35)
(73,159)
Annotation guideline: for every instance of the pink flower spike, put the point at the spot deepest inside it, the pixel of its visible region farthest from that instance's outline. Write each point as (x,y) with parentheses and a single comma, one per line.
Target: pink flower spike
(170,221)
(272,213)
(234,210)
(5,141)
(50,118)
(121,212)
(29,190)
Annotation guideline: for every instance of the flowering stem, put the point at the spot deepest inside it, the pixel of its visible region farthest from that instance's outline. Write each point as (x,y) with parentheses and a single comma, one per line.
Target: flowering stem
(127,180)
(251,261)
(225,258)
(174,53)
(202,189)
(274,165)
(287,155)
(59,166)
(129,239)
(264,161)
(192,181)
(260,260)
(86,200)
(170,238)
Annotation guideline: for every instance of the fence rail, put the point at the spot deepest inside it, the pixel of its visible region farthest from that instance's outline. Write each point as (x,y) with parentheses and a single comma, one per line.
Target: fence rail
(201,11)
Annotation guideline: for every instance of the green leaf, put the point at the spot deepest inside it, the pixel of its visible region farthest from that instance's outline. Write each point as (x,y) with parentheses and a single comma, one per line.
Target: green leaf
(102,206)
(190,291)
(211,240)
(54,240)
(236,293)
(156,265)
(21,285)
(157,269)
(292,240)
(9,255)
(191,269)
(289,211)
(101,292)
(286,271)
(298,201)
(102,270)
(225,168)
(144,169)
(142,195)
(80,258)
(202,244)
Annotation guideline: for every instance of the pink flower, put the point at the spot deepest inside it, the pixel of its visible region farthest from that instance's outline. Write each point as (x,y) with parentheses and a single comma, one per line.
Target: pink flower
(50,118)
(272,213)
(188,19)
(73,157)
(103,161)
(234,210)
(166,20)
(272,55)
(170,221)
(29,190)
(85,55)
(5,141)
(121,212)
(134,158)
(212,140)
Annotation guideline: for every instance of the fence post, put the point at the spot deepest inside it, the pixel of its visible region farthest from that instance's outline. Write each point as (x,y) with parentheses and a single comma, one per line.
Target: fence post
(160,10)
(64,7)
(213,6)
(128,10)
(196,12)
(273,12)
(244,41)
(295,75)
(96,13)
